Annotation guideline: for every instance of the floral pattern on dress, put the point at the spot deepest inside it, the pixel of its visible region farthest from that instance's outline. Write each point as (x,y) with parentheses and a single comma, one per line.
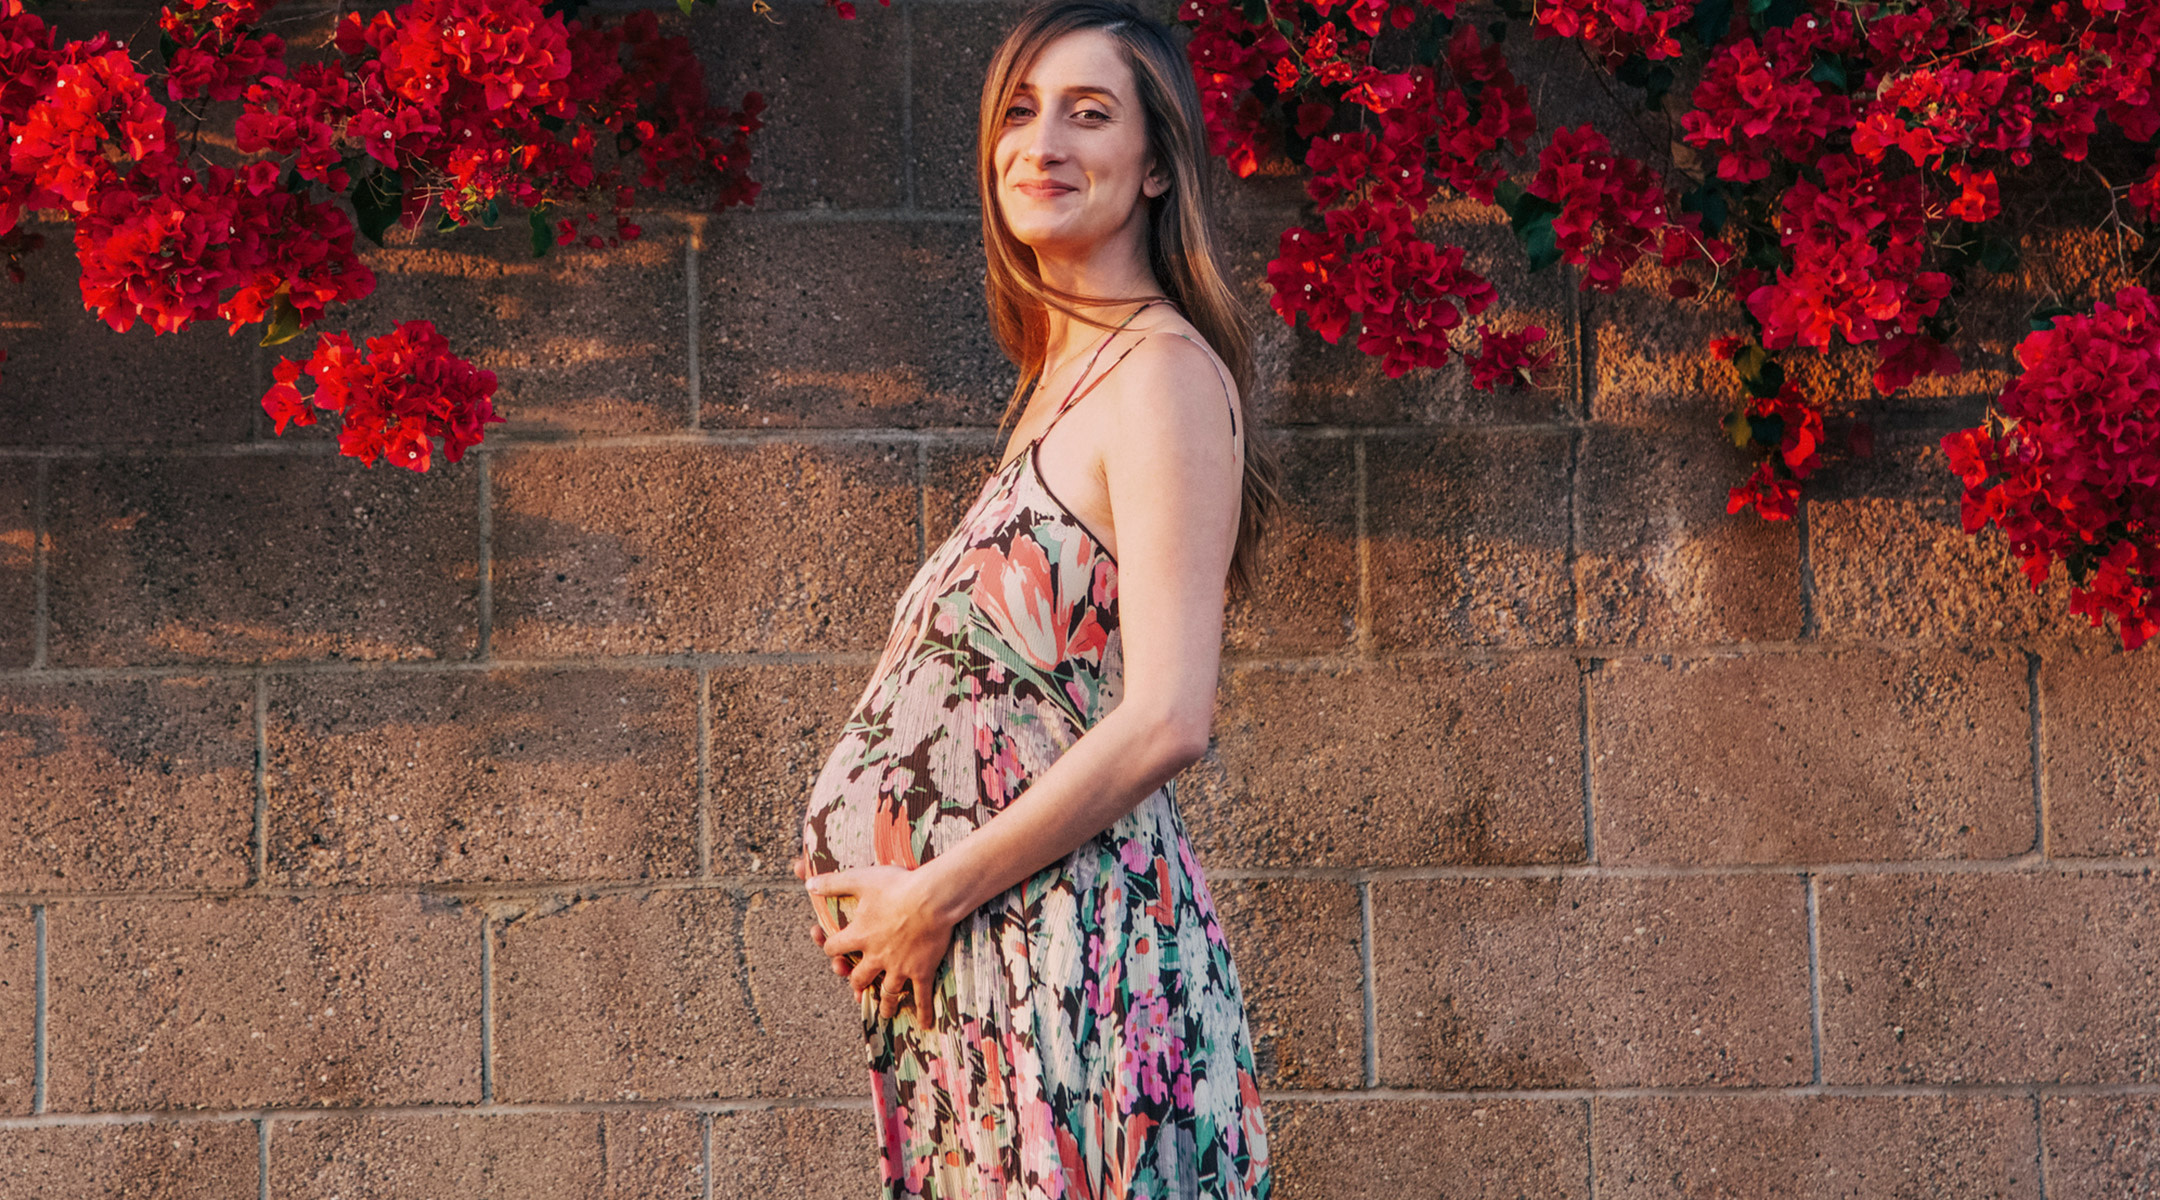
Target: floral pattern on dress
(1087,1034)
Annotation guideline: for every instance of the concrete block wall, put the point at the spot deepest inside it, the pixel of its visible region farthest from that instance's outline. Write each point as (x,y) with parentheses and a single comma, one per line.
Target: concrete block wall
(373,834)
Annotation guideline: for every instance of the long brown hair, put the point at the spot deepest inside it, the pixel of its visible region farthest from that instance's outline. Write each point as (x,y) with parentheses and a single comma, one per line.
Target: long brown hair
(1181,241)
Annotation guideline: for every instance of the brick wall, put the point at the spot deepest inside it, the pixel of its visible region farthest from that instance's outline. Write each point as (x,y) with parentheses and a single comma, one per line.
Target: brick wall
(371,834)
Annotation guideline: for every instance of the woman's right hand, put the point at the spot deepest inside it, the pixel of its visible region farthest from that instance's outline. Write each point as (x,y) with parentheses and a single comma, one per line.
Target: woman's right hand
(801,866)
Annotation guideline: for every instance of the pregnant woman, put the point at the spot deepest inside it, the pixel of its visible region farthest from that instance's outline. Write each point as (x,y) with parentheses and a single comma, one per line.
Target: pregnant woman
(994,850)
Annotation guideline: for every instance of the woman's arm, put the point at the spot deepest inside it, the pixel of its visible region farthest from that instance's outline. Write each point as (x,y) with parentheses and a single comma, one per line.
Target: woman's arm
(1174,476)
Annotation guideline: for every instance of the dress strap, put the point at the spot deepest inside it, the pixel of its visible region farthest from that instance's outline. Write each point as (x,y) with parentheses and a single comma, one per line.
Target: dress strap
(1220,378)
(1074,394)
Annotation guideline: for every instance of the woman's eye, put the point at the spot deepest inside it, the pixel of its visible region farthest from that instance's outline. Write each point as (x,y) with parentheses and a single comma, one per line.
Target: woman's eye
(1090,112)
(1018,110)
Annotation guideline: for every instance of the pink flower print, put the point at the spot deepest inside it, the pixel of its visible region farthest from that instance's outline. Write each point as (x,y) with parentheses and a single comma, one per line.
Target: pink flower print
(1181,1090)
(1214,933)
(996,672)
(944,622)
(1077,693)
(1013,593)
(1102,589)
(1134,855)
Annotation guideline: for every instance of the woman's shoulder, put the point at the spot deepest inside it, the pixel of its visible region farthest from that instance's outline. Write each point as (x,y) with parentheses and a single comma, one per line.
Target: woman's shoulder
(1174,382)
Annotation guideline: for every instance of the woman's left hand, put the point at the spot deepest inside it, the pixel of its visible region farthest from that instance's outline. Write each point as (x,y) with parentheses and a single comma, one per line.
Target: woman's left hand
(895,927)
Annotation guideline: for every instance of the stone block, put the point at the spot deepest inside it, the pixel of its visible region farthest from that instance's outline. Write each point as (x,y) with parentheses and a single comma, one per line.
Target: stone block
(71,379)
(1891,559)
(655,1154)
(1694,981)
(835,94)
(1297,947)
(1469,539)
(380,778)
(1483,1149)
(1307,599)
(868,322)
(18,559)
(252,1002)
(2021,978)
(715,549)
(156,1160)
(814,1153)
(1659,562)
(267,558)
(2099,715)
(1847,1147)
(18,1013)
(2101,1145)
(126,784)
(1399,763)
(672,995)
(1842,756)
(772,728)
(581,340)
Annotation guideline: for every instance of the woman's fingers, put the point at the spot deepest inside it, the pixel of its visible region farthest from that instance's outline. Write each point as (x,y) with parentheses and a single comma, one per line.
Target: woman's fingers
(889,994)
(800,867)
(864,975)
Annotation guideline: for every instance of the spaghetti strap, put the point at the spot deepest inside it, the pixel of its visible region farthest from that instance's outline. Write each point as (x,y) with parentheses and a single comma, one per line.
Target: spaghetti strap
(1219,377)
(1074,394)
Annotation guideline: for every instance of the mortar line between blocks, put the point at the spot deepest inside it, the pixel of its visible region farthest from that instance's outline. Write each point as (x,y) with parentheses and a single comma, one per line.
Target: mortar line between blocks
(1372,1023)
(1576,599)
(260,858)
(1589,1126)
(2037,734)
(2040,1152)
(1364,633)
(41,566)
(41,1003)
(693,374)
(262,1158)
(704,773)
(705,1124)
(907,105)
(487,1010)
(1814,974)
(1583,739)
(485,617)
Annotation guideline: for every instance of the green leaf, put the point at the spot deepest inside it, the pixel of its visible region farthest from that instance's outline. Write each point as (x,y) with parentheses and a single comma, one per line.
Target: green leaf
(167,47)
(1712,19)
(685,5)
(1774,14)
(284,323)
(1768,381)
(1255,12)
(1998,255)
(445,223)
(376,200)
(1532,218)
(490,215)
(1769,430)
(543,233)
(1709,200)
(1737,427)
(2045,318)
(1829,69)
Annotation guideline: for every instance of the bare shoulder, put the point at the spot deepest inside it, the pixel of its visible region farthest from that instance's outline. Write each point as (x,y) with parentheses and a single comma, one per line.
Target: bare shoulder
(1172,389)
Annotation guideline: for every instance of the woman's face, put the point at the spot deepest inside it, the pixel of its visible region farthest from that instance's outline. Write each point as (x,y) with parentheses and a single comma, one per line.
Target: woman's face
(1072,162)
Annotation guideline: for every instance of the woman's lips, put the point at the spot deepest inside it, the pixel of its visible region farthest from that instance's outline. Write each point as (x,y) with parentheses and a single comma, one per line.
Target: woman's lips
(1043,190)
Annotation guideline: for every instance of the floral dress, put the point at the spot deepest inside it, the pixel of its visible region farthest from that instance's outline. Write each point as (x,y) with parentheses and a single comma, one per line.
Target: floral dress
(1087,1034)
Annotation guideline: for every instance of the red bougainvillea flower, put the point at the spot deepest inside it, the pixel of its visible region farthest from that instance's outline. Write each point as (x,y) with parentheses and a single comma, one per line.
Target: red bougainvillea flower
(2073,473)
(1795,434)
(406,390)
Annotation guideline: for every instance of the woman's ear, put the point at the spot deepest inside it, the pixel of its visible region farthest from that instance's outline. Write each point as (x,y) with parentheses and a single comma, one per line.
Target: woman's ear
(1156,183)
